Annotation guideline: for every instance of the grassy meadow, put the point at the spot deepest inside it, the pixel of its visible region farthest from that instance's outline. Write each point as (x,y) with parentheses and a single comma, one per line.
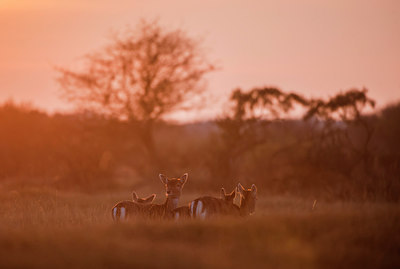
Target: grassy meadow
(46,228)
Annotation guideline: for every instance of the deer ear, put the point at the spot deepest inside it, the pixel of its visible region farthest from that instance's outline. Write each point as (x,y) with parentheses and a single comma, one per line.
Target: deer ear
(150,198)
(254,190)
(184,177)
(223,193)
(232,194)
(134,197)
(240,188)
(163,178)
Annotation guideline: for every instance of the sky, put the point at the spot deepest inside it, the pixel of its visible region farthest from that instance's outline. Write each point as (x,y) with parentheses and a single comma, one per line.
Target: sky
(313,47)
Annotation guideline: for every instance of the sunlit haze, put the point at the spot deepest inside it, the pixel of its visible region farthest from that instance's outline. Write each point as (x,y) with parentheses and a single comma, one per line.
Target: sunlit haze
(313,47)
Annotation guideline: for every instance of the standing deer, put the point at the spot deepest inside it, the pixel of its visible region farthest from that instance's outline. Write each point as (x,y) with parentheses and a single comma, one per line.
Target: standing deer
(173,189)
(207,206)
(137,207)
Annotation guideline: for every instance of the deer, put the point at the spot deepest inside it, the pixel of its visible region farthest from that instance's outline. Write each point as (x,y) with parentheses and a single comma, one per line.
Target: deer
(173,191)
(248,198)
(137,207)
(207,207)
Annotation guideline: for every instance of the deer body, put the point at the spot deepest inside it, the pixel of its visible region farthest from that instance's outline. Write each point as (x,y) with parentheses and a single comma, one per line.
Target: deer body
(162,210)
(207,206)
(180,213)
(137,207)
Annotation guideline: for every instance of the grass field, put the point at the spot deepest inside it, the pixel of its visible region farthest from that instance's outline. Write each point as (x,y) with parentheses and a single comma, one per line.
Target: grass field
(43,228)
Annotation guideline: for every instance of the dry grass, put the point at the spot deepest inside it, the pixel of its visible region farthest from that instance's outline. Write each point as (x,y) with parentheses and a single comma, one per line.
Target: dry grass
(42,228)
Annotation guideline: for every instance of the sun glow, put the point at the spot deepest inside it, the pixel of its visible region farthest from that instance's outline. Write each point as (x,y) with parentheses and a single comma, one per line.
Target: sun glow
(30,5)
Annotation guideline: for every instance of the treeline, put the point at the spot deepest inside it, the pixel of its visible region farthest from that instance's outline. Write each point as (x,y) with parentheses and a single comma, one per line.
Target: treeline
(144,73)
(357,157)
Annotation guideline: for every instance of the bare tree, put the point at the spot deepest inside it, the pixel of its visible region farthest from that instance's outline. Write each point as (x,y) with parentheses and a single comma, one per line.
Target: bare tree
(142,75)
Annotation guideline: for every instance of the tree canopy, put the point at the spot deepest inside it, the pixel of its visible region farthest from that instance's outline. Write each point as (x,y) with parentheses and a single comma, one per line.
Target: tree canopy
(144,73)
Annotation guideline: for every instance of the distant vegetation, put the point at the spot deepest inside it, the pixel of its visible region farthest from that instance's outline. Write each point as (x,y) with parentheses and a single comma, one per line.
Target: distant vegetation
(357,158)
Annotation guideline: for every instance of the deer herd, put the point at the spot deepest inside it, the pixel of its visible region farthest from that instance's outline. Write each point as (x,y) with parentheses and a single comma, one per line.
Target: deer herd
(201,208)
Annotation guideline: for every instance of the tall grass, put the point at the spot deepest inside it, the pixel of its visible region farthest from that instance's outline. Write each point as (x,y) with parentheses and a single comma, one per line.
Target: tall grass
(45,228)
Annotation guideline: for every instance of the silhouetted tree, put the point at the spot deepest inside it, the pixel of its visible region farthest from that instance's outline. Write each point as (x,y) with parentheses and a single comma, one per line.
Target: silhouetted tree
(340,140)
(244,129)
(337,118)
(144,73)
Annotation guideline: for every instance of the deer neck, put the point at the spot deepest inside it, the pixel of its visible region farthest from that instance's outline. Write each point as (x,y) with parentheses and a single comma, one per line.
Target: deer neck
(171,203)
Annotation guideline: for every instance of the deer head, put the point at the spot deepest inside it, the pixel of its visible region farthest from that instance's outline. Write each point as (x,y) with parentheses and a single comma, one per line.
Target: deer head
(228,197)
(173,187)
(248,198)
(147,200)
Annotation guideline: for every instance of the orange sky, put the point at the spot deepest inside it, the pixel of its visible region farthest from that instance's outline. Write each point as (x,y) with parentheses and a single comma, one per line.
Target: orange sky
(314,47)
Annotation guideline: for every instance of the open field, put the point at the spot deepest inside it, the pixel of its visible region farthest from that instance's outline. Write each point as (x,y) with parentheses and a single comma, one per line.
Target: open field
(43,228)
